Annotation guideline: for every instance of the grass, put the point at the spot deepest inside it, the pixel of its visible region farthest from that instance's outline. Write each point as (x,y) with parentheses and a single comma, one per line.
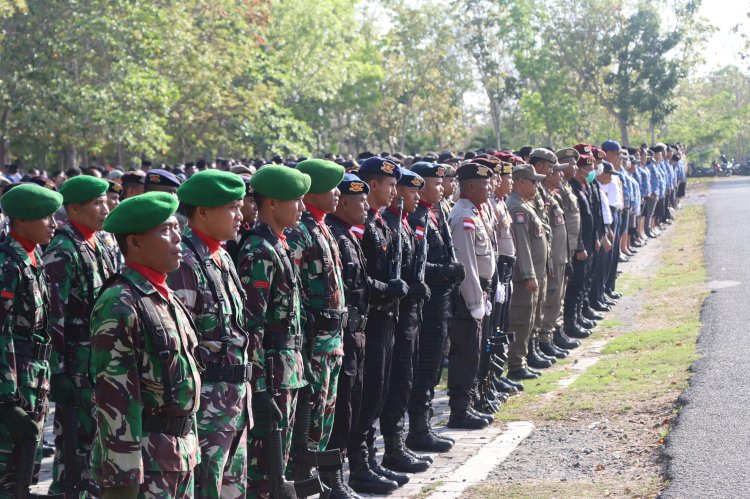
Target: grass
(428,489)
(647,362)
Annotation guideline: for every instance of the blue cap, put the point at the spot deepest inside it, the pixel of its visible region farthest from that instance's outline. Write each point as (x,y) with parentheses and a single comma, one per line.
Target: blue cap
(410,179)
(425,169)
(380,166)
(352,185)
(611,145)
(162,177)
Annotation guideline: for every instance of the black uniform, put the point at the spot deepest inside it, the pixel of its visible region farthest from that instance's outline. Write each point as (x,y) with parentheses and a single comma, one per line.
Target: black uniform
(577,281)
(349,391)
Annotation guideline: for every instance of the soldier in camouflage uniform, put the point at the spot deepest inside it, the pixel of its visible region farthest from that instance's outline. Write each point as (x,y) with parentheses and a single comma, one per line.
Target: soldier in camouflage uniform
(317,257)
(25,343)
(77,264)
(249,216)
(208,285)
(272,313)
(147,376)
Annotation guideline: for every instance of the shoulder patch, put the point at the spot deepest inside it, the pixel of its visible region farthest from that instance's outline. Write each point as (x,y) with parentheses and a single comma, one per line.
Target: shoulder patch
(519,217)
(469,224)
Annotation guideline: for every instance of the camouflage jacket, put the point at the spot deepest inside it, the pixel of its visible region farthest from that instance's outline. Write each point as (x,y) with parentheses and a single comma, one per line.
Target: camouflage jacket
(319,262)
(75,272)
(23,319)
(131,381)
(219,326)
(272,308)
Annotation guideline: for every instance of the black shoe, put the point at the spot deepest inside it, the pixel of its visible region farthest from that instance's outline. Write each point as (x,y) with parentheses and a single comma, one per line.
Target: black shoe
(550,349)
(462,419)
(562,340)
(376,467)
(432,430)
(396,457)
(501,386)
(333,479)
(48,449)
(600,307)
(521,374)
(487,417)
(614,295)
(590,314)
(508,382)
(419,457)
(425,441)
(533,360)
(541,353)
(606,300)
(535,371)
(585,323)
(363,479)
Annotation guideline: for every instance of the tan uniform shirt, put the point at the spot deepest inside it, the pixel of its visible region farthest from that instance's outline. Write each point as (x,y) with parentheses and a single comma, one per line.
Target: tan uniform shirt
(503,233)
(532,249)
(572,217)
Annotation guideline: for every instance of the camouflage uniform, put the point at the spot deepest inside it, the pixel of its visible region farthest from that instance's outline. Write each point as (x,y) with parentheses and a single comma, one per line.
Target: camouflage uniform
(224,415)
(319,264)
(272,313)
(24,346)
(75,272)
(133,395)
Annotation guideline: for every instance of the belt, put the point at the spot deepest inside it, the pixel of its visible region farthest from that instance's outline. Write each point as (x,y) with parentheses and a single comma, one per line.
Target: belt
(330,319)
(177,426)
(230,373)
(486,284)
(510,260)
(38,351)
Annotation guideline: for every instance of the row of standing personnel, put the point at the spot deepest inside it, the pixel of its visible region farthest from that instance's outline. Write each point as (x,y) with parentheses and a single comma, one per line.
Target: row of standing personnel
(173,373)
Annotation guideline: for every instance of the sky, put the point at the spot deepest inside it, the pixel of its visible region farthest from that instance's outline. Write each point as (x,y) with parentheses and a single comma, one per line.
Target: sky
(723,47)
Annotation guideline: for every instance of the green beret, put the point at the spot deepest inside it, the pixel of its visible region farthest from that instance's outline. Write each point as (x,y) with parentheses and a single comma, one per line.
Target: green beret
(82,189)
(324,175)
(211,188)
(141,213)
(280,182)
(30,202)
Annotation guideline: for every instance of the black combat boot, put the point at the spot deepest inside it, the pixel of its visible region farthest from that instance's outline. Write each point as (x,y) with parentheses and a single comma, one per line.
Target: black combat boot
(487,417)
(334,480)
(533,358)
(590,314)
(432,430)
(363,479)
(572,329)
(463,419)
(539,352)
(399,478)
(421,439)
(396,458)
(563,341)
(549,349)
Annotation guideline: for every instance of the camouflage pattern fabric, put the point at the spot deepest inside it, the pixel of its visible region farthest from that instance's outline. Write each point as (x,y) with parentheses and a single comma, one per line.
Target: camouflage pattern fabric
(320,267)
(22,319)
(130,381)
(257,470)
(272,312)
(72,266)
(224,407)
(167,485)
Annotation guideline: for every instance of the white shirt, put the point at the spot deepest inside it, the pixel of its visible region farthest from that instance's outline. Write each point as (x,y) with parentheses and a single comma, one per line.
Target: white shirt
(606,213)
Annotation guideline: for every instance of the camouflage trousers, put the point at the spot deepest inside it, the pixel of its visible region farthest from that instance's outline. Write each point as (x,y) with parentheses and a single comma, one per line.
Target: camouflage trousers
(167,484)
(257,468)
(222,471)
(326,370)
(86,431)
(33,387)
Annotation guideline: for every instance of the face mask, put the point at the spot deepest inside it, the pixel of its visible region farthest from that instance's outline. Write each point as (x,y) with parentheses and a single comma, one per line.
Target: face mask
(600,169)
(590,176)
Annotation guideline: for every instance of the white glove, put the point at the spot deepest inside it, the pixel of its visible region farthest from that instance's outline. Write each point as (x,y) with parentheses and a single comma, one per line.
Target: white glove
(500,294)
(477,313)
(487,308)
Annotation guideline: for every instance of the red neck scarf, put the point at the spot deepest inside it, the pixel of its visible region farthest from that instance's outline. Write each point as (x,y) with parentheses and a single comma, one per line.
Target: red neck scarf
(425,204)
(317,214)
(395,212)
(213,245)
(157,279)
(87,233)
(28,246)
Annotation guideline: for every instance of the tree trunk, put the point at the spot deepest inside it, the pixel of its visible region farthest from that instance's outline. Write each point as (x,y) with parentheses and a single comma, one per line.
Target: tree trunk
(623,132)
(652,129)
(120,155)
(71,157)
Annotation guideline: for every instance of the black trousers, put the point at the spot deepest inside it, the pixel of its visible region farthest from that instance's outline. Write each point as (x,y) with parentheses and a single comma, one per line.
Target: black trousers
(428,365)
(575,289)
(405,354)
(349,391)
(378,357)
(463,359)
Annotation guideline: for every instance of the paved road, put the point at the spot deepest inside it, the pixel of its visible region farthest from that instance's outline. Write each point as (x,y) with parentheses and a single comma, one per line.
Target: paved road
(710,443)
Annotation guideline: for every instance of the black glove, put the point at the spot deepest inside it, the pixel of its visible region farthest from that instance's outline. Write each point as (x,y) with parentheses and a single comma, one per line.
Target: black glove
(455,271)
(419,291)
(263,403)
(19,423)
(62,390)
(397,288)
